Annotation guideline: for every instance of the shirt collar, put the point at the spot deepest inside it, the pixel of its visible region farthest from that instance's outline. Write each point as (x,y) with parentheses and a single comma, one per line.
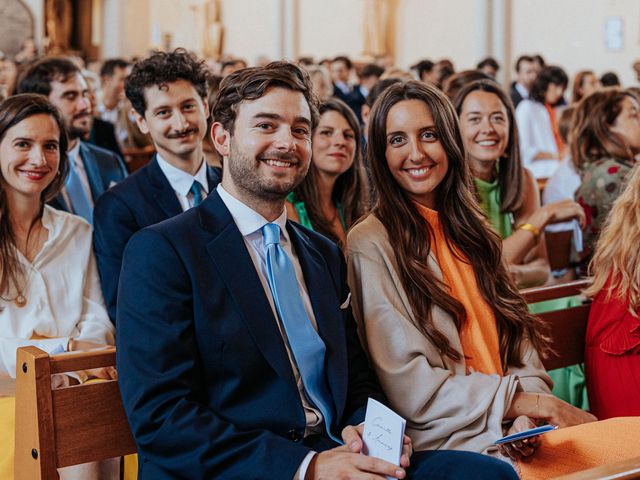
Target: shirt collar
(248,220)
(74,153)
(180,180)
(524,93)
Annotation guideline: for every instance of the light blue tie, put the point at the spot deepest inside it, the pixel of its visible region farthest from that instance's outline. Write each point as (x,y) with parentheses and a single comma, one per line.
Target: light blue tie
(306,345)
(196,191)
(80,203)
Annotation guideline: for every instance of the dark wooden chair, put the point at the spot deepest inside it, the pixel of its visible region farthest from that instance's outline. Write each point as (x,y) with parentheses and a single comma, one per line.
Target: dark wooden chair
(567,327)
(136,158)
(66,426)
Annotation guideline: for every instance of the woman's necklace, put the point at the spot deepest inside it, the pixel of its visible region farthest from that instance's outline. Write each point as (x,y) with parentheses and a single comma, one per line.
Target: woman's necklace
(21,300)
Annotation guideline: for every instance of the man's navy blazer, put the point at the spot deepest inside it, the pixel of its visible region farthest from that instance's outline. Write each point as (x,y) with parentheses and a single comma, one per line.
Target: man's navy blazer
(204,374)
(104,169)
(144,198)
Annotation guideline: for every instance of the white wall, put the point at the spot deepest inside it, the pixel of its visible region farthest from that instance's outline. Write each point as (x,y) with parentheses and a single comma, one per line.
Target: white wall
(570,33)
(37,9)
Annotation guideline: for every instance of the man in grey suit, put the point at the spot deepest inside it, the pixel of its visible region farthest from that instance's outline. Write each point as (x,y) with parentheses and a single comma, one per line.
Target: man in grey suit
(92,169)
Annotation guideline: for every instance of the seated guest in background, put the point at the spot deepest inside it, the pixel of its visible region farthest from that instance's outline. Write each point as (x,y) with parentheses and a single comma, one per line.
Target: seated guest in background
(526,73)
(322,86)
(341,67)
(609,79)
(113,74)
(257,371)
(584,84)
(604,142)
(103,133)
(540,144)
(232,65)
(613,343)
(426,71)
(169,94)
(92,170)
(565,180)
(507,192)
(451,339)
(334,194)
(445,69)
(211,155)
(489,66)
(49,290)
(368,76)
(458,80)
(8,73)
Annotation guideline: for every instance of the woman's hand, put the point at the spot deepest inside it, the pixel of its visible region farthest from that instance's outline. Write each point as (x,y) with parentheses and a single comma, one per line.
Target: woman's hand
(562,211)
(560,413)
(106,373)
(520,448)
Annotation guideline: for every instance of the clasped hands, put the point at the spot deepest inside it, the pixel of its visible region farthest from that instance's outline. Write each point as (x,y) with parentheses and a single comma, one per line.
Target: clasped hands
(347,462)
(61,380)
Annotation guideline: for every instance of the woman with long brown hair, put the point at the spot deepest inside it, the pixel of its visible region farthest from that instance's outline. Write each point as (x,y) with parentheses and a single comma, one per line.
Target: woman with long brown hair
(584,84)
(605,140)
(334,193)
(50,293)
(613,343)
(507,191)
(452,341)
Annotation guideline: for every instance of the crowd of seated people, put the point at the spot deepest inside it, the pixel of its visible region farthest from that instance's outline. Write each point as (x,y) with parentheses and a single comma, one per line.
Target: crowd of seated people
(307,236)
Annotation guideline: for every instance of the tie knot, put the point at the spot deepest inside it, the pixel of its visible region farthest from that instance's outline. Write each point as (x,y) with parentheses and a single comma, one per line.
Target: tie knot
(271,233)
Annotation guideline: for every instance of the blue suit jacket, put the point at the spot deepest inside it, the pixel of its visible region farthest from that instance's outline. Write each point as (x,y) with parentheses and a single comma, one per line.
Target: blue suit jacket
(143,199)
(104,168)
(204,374)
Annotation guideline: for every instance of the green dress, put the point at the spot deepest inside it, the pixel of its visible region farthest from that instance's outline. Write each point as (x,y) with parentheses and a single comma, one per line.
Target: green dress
(568,383)
(303,215)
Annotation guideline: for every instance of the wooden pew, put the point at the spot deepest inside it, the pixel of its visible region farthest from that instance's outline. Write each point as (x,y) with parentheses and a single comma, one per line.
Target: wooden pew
(567,327)
(67,426)
(136,158)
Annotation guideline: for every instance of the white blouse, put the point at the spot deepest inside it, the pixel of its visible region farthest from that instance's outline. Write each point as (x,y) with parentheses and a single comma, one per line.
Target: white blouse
(536,135)
(63,295)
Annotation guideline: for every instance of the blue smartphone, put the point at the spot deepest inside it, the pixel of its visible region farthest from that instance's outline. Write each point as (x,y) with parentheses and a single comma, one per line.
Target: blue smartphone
(525,434)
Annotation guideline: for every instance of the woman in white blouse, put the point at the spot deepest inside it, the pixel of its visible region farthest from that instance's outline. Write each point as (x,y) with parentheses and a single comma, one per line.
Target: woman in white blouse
(50,294)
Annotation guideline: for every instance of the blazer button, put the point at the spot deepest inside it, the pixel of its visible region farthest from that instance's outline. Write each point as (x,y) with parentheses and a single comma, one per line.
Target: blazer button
(294,435)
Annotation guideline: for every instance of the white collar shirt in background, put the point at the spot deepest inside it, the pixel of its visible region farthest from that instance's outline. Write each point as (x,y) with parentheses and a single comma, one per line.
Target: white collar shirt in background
(181,181)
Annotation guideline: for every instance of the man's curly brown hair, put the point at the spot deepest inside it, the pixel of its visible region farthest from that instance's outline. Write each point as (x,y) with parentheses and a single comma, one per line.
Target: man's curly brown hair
(161,68)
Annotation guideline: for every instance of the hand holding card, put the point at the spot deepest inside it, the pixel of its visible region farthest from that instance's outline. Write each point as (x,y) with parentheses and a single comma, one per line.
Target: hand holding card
(383,433)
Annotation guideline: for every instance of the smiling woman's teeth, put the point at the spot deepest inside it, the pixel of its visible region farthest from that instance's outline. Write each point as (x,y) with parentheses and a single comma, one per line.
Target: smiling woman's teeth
(487,143)
(278,163)
(418,171)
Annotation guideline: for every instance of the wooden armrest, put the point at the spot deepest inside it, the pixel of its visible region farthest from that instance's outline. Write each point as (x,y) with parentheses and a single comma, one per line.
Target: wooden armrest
(624,470)
(539,294)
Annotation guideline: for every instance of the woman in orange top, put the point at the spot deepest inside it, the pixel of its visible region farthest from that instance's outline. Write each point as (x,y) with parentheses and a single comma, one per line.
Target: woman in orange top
(452,342)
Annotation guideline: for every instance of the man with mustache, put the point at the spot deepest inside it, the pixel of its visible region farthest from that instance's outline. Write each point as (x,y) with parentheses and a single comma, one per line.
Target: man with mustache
(238,355)
(168,92)
(92,170)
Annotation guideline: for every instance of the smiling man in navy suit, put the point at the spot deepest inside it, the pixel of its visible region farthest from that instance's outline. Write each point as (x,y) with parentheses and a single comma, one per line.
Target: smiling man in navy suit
(237,351)
(168,92)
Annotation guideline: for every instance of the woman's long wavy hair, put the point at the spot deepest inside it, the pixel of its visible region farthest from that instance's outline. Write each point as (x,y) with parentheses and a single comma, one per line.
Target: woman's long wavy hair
(464,226)
(510,170)
(616,255)
(350,189)
(591,137)
(14,110)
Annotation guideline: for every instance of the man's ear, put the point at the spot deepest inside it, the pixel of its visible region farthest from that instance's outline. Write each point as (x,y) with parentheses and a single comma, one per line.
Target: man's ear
(221,139)
(140,121)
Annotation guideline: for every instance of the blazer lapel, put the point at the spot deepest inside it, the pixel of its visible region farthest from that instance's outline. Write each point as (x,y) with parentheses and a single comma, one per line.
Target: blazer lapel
(93,173)
(163,192)
(232,260)
(326,309)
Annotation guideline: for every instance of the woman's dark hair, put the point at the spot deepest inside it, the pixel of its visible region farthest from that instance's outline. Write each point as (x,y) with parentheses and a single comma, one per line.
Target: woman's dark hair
(546,77)
(14,110)
(350,189)
(578,85)
(458,80)
(591,137)
(510,170)
(465,228)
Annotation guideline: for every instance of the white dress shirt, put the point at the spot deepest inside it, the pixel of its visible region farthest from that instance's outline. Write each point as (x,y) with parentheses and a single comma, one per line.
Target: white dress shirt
(536,135)
(524,93)
(250,224)
(63,294)
(181,181)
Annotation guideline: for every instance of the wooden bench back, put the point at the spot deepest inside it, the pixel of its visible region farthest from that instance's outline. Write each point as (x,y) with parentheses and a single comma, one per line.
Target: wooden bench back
(66,426)
(567,327)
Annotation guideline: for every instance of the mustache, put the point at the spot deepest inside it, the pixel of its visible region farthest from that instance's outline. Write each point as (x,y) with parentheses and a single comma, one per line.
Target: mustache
(80,115)
(183,133)
(284,156)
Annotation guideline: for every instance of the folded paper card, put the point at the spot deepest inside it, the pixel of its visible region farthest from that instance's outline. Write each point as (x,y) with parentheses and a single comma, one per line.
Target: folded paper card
(533,432)
(383,432)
